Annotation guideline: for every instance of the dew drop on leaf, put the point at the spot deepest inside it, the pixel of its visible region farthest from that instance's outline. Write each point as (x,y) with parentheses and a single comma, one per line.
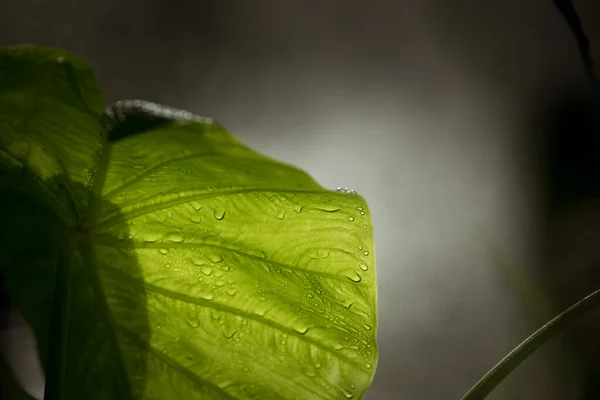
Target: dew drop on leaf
(195,219)
(368,365)
(231,292)
(163,251)
(206,270)
(301,329)
(194,323)
(230,335)
(354,277)
(196,206)
(216,258)
(175,238)
(367,327)
(338,346)
(219,215)
(207,296)
(363,267)
(351,219)
(281,215)
(219,283)
(366,253)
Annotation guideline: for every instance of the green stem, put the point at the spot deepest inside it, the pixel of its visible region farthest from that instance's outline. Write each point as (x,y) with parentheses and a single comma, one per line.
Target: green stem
(529,345)
(56,364)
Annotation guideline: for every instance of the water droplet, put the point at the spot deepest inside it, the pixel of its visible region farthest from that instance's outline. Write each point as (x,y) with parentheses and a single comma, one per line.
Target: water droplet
(338,346)
(169,214)
(364,227)
(195,219)
(225,267)
(368,365)
(318,365)
(219,283)
(207,296)
(200,278)
(359,208)
(219,215)
(366,253)
(354,277)
(348,394)
(367,327)
(206,270)
(301,329)
(163,251)
(364,267)
(231,292)
(159,326)
(195,205)
(362,213)
(229,335)
(346,190)
(194,323)
(351,219)
(198,263)
(175,238)
(298,208)
(216,258)
(281,215)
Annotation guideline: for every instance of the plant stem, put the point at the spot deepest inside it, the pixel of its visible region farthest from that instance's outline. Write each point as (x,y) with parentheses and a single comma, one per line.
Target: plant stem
(568,11)
(56,364)
(529,345)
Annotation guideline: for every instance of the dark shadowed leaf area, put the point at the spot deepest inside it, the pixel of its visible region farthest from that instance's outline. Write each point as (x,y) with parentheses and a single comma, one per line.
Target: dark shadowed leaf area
(174,262)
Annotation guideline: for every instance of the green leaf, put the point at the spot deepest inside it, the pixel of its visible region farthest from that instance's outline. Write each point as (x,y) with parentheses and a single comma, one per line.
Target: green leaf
(9,387)
(176,263)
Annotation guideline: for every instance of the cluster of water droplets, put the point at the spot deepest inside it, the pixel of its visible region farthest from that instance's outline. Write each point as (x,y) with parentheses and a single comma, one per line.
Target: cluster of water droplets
(119,112)
(346,190)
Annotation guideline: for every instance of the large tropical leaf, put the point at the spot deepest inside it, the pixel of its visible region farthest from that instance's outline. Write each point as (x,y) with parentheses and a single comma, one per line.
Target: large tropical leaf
(175,263)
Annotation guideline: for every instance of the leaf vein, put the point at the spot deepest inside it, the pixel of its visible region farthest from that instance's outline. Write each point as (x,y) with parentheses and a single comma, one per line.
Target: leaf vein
(134,337)
(221,307)
(144,210)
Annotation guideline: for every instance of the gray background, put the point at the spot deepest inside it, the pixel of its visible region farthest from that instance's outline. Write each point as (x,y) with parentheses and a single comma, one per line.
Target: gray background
(427,108)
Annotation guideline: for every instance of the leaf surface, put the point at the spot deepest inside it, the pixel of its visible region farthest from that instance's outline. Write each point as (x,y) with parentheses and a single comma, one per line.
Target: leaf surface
(187,265)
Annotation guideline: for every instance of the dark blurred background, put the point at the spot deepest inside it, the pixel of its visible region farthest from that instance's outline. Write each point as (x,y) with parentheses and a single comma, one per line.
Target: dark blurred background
(466,124)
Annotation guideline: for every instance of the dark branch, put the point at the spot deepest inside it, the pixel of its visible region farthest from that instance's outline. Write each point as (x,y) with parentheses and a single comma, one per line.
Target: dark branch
(568,11)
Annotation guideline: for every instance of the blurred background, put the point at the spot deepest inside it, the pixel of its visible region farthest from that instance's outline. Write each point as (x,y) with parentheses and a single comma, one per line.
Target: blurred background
(465,124)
